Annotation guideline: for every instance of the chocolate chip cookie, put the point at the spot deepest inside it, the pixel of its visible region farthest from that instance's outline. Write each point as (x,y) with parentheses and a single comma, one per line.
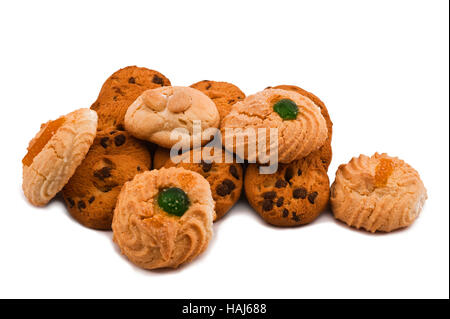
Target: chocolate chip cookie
(120,90)
(294,195)
(114,158)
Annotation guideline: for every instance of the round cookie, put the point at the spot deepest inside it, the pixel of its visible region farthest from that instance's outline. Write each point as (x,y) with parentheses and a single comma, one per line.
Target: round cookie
(161,156)
(377,193)
(295,195)
(301,126)
(225,179)
(223,94)
(163,218)
(120,90)
(55,153)
(325,150)
(91,193)
(157,113)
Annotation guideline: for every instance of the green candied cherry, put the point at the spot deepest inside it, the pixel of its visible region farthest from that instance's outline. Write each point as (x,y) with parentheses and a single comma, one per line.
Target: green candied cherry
(286,109)
(173,201)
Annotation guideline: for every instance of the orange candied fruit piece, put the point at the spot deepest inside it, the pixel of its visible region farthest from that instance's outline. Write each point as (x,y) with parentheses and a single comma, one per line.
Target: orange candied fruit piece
(383,170)
(37,146)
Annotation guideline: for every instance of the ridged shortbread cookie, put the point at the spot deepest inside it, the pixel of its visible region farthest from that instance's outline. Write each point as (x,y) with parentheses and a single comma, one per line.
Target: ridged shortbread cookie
(156,113)
(54,154)
(163,218)
(301,126)
(377,193)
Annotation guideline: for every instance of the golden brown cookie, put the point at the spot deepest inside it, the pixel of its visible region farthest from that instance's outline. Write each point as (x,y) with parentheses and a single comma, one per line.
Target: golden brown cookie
(223,94)
(91,193)
(161,156)
(325,151)
(54,154)
(120,90)
(163,218)
(295,195)
(225,179)
(377,193)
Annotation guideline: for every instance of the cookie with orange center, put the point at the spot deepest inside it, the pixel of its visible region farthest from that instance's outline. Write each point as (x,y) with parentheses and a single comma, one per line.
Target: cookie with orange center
(54,154)
(377,193)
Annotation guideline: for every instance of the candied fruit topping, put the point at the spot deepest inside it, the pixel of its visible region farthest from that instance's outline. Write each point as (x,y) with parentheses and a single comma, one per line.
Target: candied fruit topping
(173,201)
(39,143)
(383,170)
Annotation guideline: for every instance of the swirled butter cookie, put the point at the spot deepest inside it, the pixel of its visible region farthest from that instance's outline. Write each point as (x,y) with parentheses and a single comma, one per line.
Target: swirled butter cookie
(225,179)
(120,90)
(156,113)
(377,193)
(295,195)
(54,154)
(163,218)
(300,124)
(91,193)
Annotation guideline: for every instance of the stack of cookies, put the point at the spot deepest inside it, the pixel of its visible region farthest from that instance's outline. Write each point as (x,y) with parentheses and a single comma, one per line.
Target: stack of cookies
(161,211)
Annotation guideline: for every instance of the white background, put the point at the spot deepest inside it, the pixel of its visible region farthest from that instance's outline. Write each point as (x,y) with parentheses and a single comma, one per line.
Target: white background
(381,67)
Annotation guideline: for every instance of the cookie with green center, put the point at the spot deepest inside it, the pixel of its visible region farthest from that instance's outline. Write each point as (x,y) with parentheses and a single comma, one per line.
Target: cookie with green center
(163,218)
(301,128)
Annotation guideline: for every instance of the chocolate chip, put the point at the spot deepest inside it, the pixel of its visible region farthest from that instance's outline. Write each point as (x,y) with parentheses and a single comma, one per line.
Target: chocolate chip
(299,172)
(280,201)
(103,173)
(280,183)
(158,80)
(234,172)
(288,174)
(138,168)
(269,195)
(285,213)
(105,188)
(222,190)
(120,127)
(104,142)
(231,186)
(112,132)
(81,205)
(206,167)
(267,205)
(295,217)
(230,101)
(119,139)
(299,193)
(71,202)
(132,80)
(208,86)
(108,162)
(91,199)
(312,197)
(118,90)
(115,97)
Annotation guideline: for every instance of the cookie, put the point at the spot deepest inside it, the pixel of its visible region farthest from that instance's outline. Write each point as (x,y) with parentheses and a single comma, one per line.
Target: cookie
(120,90)
(301,126)
(161,156)
(163,218)
(157,113)
(55,153)
(377,193)
(225,179)
(91,193)
(325,150)
(223,94)
(295,195)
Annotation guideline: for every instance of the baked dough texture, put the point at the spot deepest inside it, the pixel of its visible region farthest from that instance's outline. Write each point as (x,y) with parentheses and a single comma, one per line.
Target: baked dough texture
(150,237)
(53,166)
(156,113)
(296,138)
(377,193)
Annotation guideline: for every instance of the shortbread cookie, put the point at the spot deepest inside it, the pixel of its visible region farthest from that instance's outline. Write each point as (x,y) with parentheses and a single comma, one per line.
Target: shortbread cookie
(223,94)
(54,154)
(378,193)
(91,193)
(301,127)
(325,150)
(120,90)
(156,113)
(225,179)
(295,195)
(163,218)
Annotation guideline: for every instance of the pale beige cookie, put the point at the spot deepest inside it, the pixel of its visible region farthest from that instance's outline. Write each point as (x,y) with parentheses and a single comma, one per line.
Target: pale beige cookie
(299,135)
(156,113)
(378,193)
(150,236)
(54,154)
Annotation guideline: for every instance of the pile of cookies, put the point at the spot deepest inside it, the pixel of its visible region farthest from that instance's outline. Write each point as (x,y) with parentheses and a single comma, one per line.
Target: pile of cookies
(112,165)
